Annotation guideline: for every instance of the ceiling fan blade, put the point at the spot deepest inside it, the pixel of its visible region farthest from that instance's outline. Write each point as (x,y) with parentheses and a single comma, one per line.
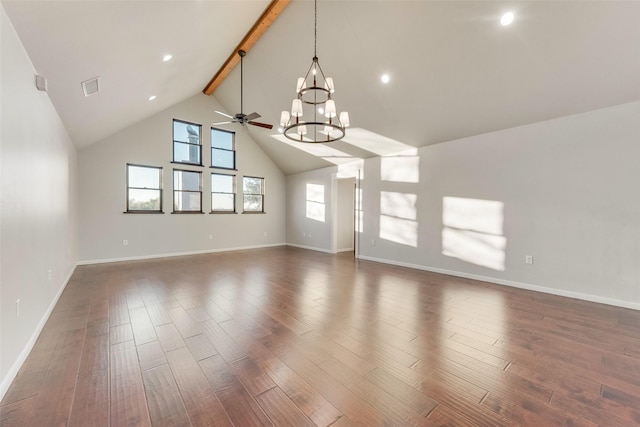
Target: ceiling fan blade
(253,116)
(221,123)
(223,114)
(262,125)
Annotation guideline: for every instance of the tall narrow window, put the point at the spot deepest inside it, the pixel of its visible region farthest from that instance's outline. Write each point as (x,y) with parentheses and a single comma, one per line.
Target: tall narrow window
(223,193)
(187,147)
(144,189)
(187,191)
(223,149)
(253,194)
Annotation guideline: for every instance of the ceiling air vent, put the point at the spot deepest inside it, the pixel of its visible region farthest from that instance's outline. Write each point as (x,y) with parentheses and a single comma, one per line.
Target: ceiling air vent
(91,86)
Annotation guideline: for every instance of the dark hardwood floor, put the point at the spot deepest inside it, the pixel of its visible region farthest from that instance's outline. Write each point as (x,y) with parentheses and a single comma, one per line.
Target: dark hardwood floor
(290,337)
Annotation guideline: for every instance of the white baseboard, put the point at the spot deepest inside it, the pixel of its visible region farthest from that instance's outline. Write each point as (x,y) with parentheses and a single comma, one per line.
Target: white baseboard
(11,374)
(311,248)
(175,254)
(514,284)
(345,250)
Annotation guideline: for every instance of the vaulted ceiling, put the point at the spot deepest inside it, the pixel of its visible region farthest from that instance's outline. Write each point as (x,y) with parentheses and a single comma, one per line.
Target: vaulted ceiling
(455,71)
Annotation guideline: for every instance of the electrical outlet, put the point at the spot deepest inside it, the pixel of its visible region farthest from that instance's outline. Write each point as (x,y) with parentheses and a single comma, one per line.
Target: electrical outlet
(265,234)
(17,308)
(373,242)
(49,274)
(125,242)
(528,259)
(304,234)
(309,235)
(210,236)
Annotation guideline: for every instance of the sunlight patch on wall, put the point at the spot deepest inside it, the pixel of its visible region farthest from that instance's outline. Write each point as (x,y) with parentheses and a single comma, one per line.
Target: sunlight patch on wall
(398,215)
(473,231)
(315,202)
(353,169)
(401,168)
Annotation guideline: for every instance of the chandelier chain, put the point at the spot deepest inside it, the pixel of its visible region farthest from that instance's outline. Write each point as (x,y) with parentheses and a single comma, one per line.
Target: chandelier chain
(315,28)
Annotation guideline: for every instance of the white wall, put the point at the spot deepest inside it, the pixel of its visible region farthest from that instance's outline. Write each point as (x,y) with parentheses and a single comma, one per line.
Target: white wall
(39,225)
(564,191)
(345,214)
(303,230)
(102,171)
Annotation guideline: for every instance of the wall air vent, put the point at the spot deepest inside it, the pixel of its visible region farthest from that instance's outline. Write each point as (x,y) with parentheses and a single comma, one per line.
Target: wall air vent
(91,86)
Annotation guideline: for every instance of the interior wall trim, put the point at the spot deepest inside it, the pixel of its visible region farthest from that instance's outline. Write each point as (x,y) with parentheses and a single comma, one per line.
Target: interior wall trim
(175,254)
(311,248)
(520,285)
(13,371)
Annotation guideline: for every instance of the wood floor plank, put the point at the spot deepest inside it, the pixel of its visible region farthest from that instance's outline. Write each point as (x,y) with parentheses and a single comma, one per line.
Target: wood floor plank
(166,407)
(201,403)
(91,396)
(282,410)
(288,336)
(128,399)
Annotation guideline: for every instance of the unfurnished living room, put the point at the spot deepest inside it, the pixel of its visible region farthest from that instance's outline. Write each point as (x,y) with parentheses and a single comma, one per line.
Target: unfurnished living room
(319,213)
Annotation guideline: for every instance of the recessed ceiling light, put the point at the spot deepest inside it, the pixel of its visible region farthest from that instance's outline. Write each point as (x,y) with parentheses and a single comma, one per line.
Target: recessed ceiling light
(507,18)
(320,110)
(385,78)
(152,97)
(167,57)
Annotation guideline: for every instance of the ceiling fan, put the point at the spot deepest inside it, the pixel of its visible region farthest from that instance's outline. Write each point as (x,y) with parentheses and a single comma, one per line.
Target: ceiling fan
(242,118)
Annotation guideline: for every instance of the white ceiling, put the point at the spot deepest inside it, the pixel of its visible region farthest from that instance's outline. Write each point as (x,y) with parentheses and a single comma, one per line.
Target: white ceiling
(455,71)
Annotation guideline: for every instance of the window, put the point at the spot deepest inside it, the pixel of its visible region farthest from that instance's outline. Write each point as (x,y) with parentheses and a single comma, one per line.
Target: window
(253,189)
(223,149)
(187,191)
(144,188)
(223,193)
(186,143)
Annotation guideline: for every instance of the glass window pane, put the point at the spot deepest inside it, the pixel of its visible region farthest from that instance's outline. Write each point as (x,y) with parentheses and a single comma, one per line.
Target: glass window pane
(144,200)
(186,153)
(252,203)
(186,132)
(221,139)
(143,177)
(186,201)
(223,158)
(184,180)
(223,202)
(221,183)
(252,185)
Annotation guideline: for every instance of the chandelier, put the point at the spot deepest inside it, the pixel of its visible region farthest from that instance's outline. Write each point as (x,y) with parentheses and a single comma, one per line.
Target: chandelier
(316,90)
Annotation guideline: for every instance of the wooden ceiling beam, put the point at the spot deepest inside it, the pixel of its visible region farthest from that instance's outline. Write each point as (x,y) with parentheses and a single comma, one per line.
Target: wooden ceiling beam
(267,18)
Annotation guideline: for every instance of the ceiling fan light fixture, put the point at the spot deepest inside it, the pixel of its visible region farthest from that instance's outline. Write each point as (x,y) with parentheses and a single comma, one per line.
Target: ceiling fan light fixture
(316,90)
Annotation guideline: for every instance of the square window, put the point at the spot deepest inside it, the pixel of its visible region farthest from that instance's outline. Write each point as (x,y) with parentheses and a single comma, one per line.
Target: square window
(144,188)
(223,193)
(223,152)
(187,146)
(187,191)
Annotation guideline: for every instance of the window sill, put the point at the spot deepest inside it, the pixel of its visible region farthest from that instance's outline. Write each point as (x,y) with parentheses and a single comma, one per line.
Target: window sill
(223,212)
(253,212)
(143,212)
(187,212)
(200,165)
(223,168)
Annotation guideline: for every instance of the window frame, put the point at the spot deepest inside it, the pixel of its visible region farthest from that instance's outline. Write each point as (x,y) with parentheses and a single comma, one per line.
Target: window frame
(233,150)
(262,189)
(159,189)
(199,144)
(187,191)
(233,193)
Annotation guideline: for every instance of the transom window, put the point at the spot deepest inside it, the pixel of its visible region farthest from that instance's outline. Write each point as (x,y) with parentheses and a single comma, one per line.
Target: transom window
(253,194)
(144,188)
(187,191)
(187,146)
(223,149)
(223,193)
